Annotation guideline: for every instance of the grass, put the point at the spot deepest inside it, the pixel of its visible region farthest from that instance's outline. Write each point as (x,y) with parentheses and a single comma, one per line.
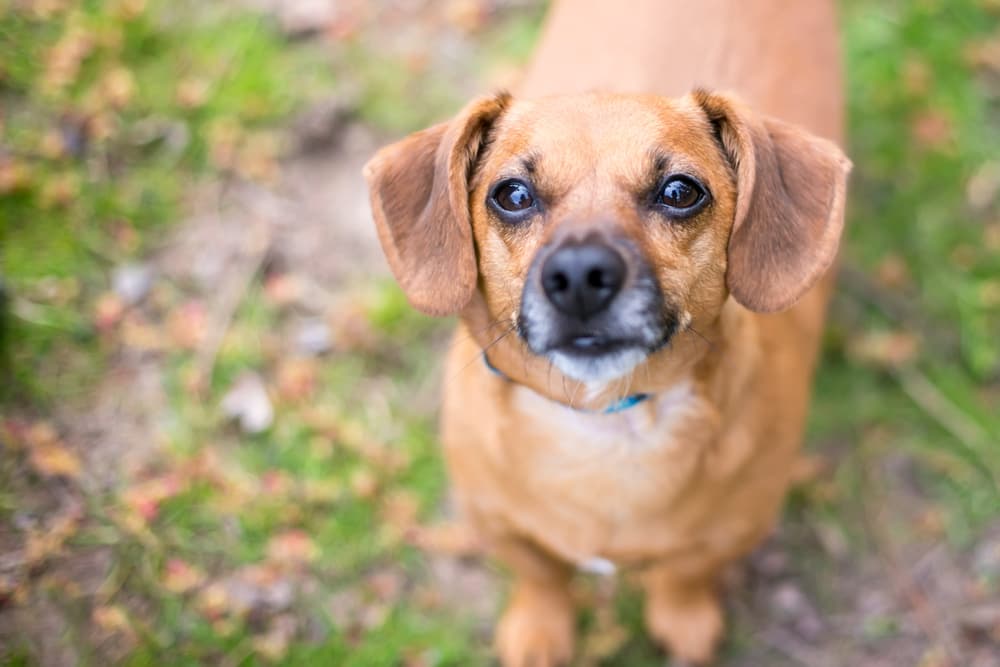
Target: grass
(292,546)
(111,112)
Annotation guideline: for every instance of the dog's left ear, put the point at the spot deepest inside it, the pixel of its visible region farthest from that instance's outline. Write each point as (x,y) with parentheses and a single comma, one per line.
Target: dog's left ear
(791,187)
(419,190)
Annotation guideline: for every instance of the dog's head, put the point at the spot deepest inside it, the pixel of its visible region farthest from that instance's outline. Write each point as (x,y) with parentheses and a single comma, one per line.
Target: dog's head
(602,225)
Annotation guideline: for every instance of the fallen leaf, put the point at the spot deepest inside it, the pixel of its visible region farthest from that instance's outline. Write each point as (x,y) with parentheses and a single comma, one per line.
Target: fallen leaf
(14,176)
(179,577)
(43,544)
(118,86)
(321,491)
(138,334)
(108,311)
(447,539)
(192,93)
(277,483)
(282,289)
(130,10)
(55,460)
(469,16)
(890,349)
(933,129)
(386,584)
(258,157)
(984,54)
(213,601)
(63,60)
(187,325)
(111,618)
(297,379)
(893,272)
(292,548)
(364,484)
(59,191)
(144,498)
(399,512)
(984,184)
(273,645)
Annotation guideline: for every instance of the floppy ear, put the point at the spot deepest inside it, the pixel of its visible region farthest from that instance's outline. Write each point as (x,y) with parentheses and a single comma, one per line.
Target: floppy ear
(791,187)
(419,190)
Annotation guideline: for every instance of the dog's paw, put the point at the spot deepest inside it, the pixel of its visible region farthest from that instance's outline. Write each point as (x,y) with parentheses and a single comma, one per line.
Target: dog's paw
(689,626)
(536,630)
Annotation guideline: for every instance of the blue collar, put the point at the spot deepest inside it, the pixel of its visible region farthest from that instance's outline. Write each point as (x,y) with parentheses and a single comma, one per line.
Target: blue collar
(617,406)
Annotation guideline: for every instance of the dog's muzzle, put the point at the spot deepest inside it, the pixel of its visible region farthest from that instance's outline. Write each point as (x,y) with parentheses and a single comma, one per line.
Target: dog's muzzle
(592,305)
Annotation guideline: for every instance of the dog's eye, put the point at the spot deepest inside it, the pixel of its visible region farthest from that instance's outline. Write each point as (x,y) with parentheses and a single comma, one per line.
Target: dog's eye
(513,196)
(681,195)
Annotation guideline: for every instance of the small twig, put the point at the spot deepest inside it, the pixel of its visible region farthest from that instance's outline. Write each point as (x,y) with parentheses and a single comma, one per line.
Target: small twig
(950,417)
(229,299)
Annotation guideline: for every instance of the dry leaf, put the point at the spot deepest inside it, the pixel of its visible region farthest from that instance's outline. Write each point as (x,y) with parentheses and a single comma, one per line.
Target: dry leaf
(118,87)
(56,461)
(292,548)
(885,348)
(113,621)
(893,272)
(144,498)
(447,539)
(179,577)
(108,310)
(213,602)
(297,379)
(364,484)
(282,289)
(192,93)
(933,129)
(188,324)
(399,512)
(386,584)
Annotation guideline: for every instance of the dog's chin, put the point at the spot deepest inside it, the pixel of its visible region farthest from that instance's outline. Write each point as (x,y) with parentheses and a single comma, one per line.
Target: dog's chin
(593,368)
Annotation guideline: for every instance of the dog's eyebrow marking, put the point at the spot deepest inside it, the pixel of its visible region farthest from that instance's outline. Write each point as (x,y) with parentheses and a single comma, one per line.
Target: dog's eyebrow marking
(530,163)
(660,160)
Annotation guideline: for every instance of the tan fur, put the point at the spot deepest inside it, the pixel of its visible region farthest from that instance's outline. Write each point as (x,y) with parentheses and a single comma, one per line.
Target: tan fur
(680,486)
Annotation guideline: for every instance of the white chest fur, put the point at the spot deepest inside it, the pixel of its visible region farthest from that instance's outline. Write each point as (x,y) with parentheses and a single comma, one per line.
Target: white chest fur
(601,478)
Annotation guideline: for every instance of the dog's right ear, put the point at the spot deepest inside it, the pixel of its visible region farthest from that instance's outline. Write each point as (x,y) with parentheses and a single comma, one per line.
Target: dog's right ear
(419,190)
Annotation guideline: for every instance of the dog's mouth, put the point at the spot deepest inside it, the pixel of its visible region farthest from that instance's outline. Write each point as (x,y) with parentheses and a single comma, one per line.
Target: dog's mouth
(601,357)
(595,345)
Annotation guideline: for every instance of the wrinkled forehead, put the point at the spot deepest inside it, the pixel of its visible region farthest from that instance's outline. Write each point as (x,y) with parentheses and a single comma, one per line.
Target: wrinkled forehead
(619,135)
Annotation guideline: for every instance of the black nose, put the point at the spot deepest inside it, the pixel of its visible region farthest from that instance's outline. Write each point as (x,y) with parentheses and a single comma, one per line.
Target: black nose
(581,278)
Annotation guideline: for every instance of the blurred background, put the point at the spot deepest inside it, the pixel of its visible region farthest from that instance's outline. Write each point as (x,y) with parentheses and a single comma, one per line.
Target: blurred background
(217,427)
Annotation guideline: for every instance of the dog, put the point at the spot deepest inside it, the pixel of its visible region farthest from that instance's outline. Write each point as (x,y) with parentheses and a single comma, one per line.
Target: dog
(641,267)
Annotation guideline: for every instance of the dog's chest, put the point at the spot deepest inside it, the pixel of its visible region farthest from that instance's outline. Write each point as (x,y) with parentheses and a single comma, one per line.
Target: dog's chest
(593,485)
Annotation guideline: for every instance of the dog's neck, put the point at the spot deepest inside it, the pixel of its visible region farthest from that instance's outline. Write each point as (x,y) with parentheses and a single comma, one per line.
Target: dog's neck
(694,356)
(619,405)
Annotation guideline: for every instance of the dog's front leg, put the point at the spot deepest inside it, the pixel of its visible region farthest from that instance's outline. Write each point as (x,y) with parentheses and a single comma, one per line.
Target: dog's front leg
(537,627)
(683,612)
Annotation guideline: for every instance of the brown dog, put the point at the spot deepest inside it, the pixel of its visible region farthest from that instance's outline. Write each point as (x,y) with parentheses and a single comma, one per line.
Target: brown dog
(643,279)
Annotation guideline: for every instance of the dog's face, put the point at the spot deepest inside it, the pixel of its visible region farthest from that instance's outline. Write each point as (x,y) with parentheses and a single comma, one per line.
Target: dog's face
(602,225)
